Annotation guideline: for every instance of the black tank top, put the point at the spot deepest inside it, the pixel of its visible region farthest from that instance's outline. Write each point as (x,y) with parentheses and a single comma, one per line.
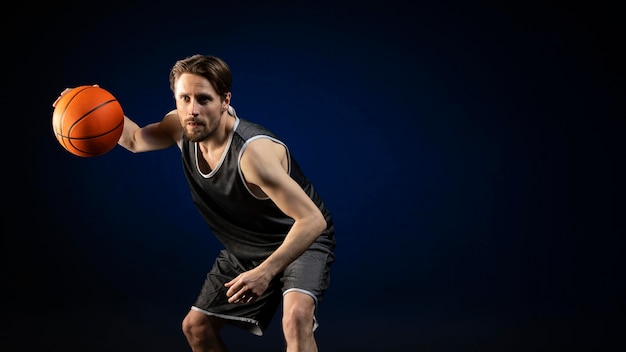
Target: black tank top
(249,227)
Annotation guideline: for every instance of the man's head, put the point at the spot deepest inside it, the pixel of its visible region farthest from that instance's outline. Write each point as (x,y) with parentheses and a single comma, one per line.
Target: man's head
(201,86)
(214,69)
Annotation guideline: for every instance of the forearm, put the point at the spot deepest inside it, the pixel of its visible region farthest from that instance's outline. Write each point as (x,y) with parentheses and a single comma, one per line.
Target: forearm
(127,139)
(298,240)
(154,136)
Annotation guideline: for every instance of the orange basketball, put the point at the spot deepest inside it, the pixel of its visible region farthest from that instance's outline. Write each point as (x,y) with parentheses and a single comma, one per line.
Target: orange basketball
(88,121)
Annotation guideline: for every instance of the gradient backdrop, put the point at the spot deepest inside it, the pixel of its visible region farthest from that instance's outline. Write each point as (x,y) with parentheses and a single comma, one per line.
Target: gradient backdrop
(470,155)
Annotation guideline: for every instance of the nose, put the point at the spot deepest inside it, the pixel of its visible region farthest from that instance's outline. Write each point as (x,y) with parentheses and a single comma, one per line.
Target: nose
(193,108)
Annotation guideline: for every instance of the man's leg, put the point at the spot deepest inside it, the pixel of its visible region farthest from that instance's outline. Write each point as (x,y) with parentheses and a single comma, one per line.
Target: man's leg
(203,332)
(298,318)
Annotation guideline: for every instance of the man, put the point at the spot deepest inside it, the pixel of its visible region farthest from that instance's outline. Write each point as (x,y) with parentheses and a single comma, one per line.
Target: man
(278,235)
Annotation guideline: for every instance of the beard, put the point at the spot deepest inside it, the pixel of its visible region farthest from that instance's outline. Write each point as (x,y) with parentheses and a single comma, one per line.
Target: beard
(201,129)
(197,136)
(198,133)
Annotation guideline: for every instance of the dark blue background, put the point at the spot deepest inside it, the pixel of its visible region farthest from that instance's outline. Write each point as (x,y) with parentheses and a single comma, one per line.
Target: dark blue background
(470,155)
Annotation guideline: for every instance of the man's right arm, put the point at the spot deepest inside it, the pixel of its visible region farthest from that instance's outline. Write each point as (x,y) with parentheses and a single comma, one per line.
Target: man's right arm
(154,136)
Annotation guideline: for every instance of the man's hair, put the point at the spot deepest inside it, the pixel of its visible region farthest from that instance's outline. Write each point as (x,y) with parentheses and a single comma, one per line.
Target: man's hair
(210,67)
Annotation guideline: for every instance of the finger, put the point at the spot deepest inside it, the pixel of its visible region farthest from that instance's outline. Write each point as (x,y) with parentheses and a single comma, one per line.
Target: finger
(232,292)
(242,299)
(234,286)
(242,296)
(65,91)
(233,281)
(246,298)
(234,296)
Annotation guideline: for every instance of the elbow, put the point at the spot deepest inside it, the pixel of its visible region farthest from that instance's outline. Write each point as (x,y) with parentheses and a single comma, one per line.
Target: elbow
(319,223)
(128,144)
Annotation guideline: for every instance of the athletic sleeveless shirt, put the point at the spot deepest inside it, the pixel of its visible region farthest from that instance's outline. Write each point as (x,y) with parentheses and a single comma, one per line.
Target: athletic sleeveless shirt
(250,228)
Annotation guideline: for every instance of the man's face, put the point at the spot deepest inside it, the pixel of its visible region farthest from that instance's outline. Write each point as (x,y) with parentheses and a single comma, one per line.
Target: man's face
(199,107)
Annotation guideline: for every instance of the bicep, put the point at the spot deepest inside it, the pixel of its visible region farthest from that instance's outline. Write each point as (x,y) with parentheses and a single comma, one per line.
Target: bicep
(264,165)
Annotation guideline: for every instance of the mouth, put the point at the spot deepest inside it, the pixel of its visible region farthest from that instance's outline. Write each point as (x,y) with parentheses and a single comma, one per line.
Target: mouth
(193,123)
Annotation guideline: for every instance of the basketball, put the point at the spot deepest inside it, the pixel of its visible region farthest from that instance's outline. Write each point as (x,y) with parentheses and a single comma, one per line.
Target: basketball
(88,121)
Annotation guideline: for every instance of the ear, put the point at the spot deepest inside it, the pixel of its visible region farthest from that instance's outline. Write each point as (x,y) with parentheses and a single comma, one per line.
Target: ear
(226,102)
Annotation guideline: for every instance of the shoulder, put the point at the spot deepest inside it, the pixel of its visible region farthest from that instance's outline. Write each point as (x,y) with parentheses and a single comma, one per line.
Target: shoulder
(248,129)
(170,124)
(172,115)
(262,153)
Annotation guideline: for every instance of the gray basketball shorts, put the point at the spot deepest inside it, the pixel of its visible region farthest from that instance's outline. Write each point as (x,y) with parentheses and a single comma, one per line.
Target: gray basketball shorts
(309,274)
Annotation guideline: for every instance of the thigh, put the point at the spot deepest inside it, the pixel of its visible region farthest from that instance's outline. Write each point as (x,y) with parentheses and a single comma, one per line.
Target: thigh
(310,272)
(212,299)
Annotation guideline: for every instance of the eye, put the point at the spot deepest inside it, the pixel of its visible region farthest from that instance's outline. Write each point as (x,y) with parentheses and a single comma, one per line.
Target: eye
(204,99)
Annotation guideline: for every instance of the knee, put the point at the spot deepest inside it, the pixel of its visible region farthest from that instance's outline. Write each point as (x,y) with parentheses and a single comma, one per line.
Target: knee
(198,326)
(298,318)
(188,325)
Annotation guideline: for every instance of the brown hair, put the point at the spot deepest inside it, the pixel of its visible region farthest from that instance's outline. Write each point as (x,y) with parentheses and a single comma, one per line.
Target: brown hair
(210,67)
